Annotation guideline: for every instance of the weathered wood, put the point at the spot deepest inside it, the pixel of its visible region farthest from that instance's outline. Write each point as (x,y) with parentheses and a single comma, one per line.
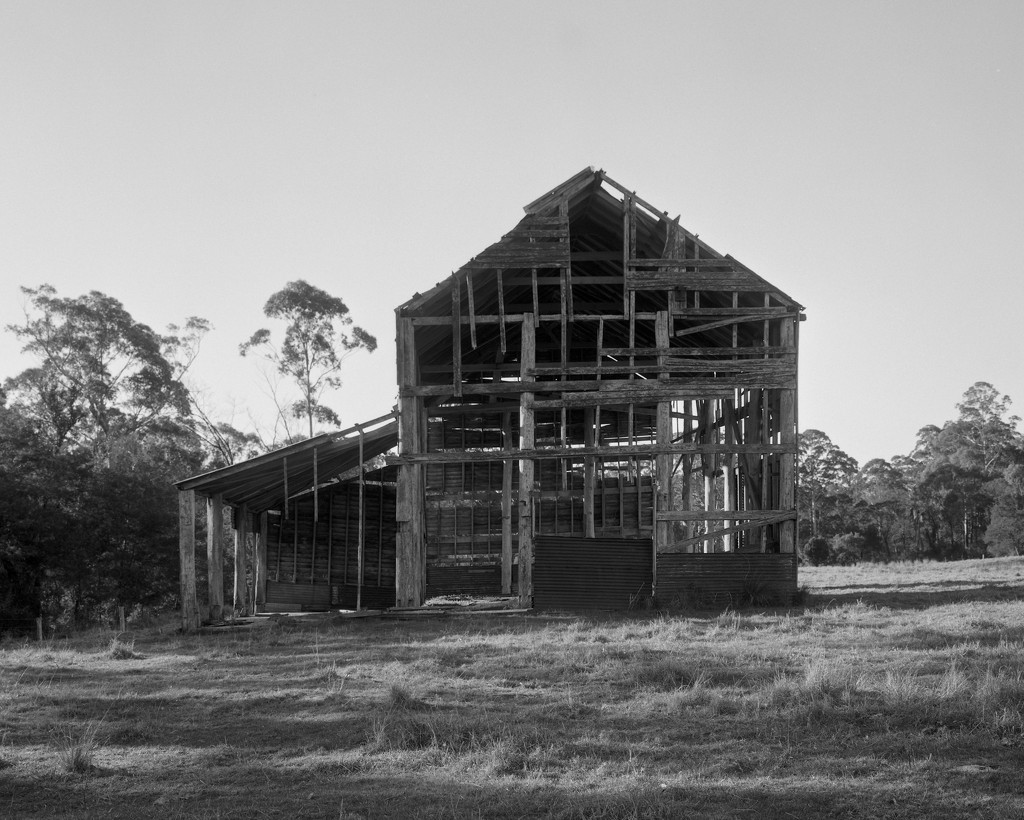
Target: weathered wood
(527,440)
(501,313)
(260,563)
(472,312)
(547,255)
(663,475)
(685,386)
(759,350)
(589,472)
(688,331)
(713,534)
(456,337)
(618,451)
(187,559)
(241,602)
(410,569)
(506,509)
(722,515)
(215,555)
(788,436)
(362,525)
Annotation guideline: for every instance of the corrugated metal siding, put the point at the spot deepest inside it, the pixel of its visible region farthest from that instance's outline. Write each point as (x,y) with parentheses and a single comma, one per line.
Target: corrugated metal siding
(312,597)
(373,597)
(304,596)
(726,578)
(590,573)
(466,579)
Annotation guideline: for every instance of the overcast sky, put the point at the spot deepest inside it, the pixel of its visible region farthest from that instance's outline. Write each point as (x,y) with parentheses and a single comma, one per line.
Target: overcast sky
(190,158)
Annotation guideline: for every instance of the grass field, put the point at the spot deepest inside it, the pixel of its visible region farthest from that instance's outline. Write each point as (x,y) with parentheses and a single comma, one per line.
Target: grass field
(895,691)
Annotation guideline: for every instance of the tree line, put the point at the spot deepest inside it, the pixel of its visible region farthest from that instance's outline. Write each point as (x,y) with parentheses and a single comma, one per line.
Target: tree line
(959,493)
(96,430)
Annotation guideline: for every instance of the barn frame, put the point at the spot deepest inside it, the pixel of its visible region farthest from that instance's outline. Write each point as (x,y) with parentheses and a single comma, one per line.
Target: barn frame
(597,410)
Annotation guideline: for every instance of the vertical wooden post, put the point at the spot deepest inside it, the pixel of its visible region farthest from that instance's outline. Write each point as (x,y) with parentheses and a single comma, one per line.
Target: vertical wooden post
(506,507)
(728,474)
(787,470)
(589,472)
(187,556)
(260,569)
(410,569)
(241,605)
(362,524)
(39,629)
(710,437)
(663,469)
(215,555)
(527,441)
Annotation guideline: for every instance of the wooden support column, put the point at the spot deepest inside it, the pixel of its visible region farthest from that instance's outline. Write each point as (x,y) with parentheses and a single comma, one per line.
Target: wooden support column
(241,604)
(787,425)
(260,568)
(589,472)
(362,524)
(187,556)
(410,569)
(728,473)
(506,507)
(527,441)
(215,555)
(663,468)
(710,435)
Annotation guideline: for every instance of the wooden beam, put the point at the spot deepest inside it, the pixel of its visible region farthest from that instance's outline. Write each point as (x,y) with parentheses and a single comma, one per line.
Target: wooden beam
(663,463)
(457,337)
(362,526)
(409,561)
(787,470)
(260,568)
(506,508)
(215,555)
(709,536)
(609,453)
(187,558)
(589,472)
(527,439)
(241,604)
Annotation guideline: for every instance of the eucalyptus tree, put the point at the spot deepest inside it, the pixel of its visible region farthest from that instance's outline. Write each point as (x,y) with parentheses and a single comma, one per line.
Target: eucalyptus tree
(826,479)
(98,373)
(319,335)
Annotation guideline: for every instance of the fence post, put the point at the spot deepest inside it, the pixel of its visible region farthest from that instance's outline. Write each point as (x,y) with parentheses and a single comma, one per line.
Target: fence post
(39,629)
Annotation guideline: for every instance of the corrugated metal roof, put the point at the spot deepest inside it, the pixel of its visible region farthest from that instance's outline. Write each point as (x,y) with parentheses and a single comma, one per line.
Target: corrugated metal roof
(260,482)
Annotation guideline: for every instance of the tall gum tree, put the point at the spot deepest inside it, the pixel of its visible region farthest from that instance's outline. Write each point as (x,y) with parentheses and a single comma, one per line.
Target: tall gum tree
(319,336)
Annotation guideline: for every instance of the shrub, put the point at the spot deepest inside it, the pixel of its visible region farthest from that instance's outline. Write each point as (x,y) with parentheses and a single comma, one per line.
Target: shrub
(816,551)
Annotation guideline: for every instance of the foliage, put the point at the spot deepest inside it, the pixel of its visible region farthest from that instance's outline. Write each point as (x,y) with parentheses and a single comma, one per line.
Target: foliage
(816,551)
(100,374)
(958,494)
(318,327)
(91,438)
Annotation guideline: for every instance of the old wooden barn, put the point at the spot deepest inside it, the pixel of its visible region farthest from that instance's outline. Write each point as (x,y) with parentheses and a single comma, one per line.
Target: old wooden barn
(597,410)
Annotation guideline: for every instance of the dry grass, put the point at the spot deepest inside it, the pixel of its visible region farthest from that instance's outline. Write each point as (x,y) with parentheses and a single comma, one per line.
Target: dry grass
(899,695)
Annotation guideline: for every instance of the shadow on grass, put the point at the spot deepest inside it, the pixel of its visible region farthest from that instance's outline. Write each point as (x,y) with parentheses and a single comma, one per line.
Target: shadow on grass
(902,597)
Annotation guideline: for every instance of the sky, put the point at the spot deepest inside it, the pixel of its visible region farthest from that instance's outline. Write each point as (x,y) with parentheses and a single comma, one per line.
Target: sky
(190,158)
